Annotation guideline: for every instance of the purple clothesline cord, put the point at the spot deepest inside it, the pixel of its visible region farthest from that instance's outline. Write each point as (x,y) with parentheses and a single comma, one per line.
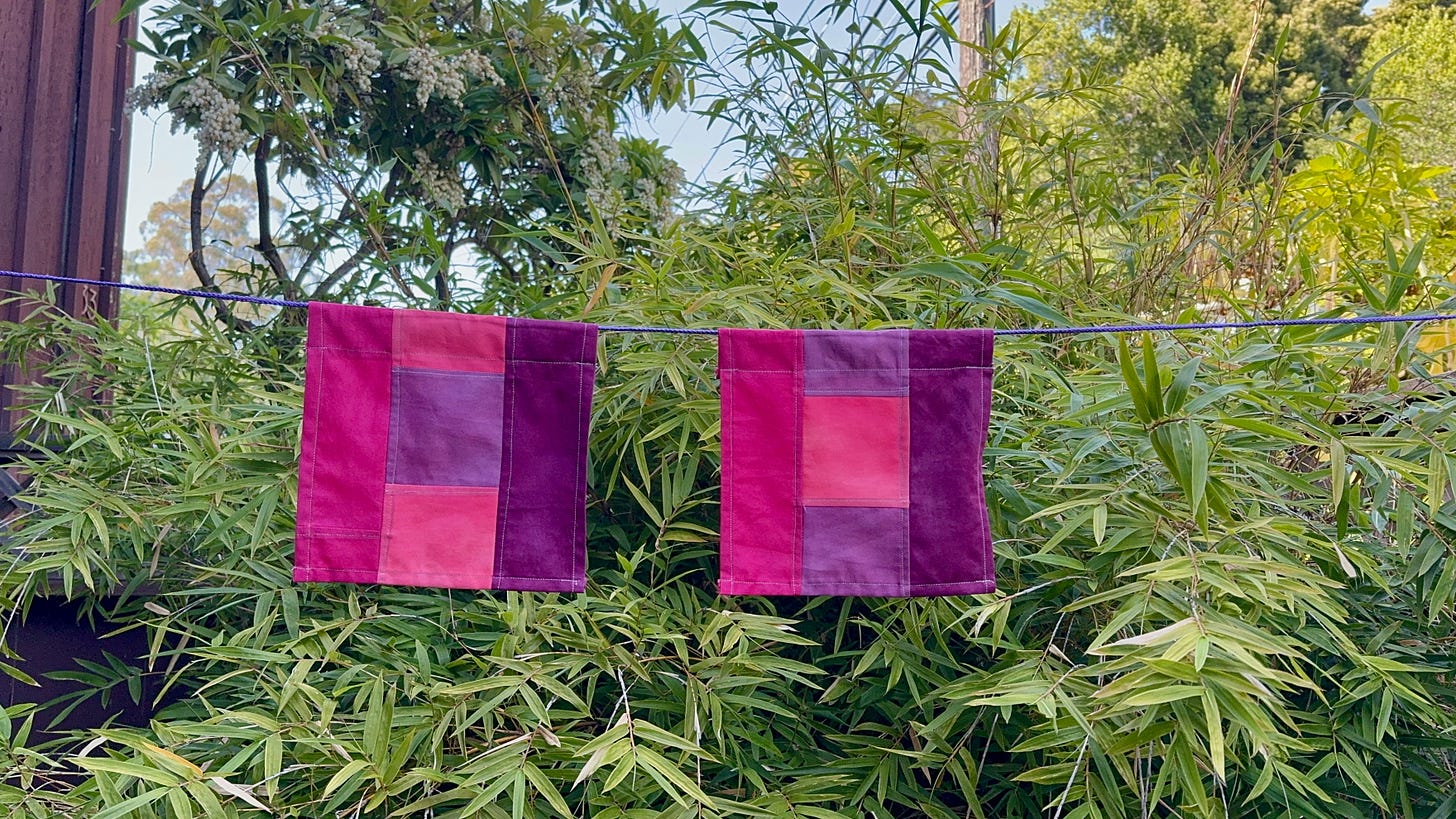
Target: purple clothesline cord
(688,331)
(152,288)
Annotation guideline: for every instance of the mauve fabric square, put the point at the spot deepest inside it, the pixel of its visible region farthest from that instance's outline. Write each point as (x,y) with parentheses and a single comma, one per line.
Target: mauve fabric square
(856,362)
(445,428)
(854,551)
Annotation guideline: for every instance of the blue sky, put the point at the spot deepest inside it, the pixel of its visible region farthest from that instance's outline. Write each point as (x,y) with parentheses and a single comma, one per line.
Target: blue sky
(161,160)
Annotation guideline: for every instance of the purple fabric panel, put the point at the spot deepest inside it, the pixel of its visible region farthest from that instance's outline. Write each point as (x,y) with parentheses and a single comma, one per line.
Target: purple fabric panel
(344,447)
(936,349)
(541,529)
(445,428)
(850,550)
(950,406)
(762,386)
(856,362)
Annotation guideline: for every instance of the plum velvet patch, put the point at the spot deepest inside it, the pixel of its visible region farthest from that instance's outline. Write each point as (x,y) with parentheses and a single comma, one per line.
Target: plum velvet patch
(852,462)
(445,450)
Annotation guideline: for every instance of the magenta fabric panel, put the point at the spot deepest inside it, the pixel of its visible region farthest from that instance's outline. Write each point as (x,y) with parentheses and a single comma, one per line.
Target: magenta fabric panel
(880,436)
(761,372)
(344,445)
(407,458)
(550,368)
(950,410)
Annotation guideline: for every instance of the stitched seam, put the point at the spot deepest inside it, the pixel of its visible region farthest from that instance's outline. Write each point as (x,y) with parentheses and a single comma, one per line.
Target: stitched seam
(902,457)
(507,478)
(389,354)
(579,481)
(325,570)
(355,350)
(870,502)
(390,465)
(313,462)
(451,489)
(395,577)
(386,537)
(465,374)
(798,464)
(892,584)
(988,585)
(727,560)
(467,356)
(503,360)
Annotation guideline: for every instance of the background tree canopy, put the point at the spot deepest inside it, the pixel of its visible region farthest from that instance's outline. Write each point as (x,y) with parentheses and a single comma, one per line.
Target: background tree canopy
(1173,75)
(1224,558)
(1412,55)
(413,136)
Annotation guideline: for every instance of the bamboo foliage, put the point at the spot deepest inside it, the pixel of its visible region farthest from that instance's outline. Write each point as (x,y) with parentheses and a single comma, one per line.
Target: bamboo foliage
(1223,557)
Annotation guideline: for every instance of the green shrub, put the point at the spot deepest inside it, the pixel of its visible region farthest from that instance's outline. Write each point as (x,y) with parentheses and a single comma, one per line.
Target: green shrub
(1224,557)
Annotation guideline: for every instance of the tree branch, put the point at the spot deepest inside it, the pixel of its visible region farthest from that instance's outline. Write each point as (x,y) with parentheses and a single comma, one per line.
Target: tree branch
(195,257)
(265,245)
(486,244)
(345,268)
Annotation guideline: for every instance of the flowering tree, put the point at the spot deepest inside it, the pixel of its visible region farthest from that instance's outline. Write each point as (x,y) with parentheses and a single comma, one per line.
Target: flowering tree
(421,145)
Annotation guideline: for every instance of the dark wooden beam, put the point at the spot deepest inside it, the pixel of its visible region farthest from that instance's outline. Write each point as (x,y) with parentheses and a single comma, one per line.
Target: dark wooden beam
(64,72)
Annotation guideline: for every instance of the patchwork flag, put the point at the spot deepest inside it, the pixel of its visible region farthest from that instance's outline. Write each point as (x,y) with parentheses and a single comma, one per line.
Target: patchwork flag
(445,450)
(852,462)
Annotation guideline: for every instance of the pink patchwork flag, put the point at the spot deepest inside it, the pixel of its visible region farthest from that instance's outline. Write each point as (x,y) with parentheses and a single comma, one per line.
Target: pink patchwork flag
(852,462)
(445,450)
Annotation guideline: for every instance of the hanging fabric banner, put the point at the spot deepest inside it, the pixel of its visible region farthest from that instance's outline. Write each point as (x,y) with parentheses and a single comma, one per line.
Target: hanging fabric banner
(444,450)
(852,462)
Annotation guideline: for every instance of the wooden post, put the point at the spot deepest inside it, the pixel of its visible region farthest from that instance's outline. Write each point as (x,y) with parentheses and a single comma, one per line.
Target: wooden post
(977,31)
(64,72)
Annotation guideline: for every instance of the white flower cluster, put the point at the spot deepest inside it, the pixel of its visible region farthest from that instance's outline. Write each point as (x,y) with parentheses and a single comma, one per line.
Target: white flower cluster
(438,184)
(438,76)
(433,75)
(603,169)
(656,195)
(219,124)
(361,59)
(220,129)
(477,65)
(572,89)
(151,91)
(601,160)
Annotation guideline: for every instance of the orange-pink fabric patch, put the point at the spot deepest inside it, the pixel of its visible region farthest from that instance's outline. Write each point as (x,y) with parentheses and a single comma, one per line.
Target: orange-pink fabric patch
(855,450)
(450,341)
(441,536)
